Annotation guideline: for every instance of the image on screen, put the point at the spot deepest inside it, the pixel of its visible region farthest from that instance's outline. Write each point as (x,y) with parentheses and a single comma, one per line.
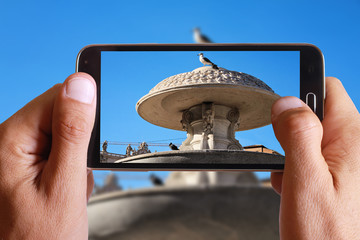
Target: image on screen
(178,79)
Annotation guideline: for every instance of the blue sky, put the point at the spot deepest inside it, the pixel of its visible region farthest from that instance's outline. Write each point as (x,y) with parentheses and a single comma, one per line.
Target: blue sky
(40,39)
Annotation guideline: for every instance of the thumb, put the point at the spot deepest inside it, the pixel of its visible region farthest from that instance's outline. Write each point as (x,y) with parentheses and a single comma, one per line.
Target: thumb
(73,120)
(299,132)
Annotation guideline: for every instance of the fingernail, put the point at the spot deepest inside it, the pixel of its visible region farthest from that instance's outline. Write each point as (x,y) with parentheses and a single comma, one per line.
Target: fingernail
(80,89)
(284,104)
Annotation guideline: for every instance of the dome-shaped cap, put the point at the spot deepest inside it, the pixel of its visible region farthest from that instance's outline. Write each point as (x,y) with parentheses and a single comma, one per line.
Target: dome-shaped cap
(208,75)
(164,104)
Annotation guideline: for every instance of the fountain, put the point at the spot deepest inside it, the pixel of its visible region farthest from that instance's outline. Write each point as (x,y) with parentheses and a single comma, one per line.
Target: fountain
(210,105)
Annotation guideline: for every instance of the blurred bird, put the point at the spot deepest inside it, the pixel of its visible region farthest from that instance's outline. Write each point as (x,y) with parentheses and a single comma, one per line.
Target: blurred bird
(199,37)
(155,180)
(173,146)
(206,61)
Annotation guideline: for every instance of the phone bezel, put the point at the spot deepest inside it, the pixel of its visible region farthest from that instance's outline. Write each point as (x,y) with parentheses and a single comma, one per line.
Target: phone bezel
(312,81)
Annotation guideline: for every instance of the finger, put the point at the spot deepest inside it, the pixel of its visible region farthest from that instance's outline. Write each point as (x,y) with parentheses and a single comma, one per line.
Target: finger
(276,181)
(299,132)
(73,120)
(341,141)
(338,104)
(26,137)
(90,184)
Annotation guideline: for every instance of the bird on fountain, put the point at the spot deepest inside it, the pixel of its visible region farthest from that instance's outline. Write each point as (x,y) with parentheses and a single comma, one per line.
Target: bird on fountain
(199,37)
(206,61)
(173,146)
(155,180)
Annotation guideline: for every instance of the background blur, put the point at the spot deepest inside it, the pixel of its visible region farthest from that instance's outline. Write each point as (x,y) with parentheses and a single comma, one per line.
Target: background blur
(40,39)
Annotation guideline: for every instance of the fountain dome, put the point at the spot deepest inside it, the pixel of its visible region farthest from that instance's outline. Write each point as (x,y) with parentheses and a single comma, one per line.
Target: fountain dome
(165,103)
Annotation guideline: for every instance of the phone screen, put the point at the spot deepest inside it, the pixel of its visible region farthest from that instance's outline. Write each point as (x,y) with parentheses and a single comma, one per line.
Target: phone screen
(127,76)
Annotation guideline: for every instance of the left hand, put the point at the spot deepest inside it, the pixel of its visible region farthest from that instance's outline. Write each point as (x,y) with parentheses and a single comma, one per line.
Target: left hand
(44,183)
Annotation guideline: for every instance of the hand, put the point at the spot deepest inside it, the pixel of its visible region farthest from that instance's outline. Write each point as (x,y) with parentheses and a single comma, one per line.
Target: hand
(44,184)
(320,197)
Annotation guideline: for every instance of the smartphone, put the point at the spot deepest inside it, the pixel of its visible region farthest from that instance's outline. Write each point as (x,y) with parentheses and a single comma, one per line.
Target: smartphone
(195,106)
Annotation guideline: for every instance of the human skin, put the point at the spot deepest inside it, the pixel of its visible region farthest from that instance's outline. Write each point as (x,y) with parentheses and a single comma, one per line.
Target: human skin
(320,196)
(44,182)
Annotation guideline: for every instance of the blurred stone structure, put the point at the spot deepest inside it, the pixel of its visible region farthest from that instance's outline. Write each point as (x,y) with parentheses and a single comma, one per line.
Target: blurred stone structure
(111,184)
(190,205)
(194,213)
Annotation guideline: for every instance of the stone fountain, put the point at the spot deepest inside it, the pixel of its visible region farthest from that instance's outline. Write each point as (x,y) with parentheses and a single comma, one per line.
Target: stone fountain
(210,105)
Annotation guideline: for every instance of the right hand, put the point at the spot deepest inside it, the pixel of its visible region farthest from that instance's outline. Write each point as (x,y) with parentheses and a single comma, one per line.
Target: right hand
(320,193)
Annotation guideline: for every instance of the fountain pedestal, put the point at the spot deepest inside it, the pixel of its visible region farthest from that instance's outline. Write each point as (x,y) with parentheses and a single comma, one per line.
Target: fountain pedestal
(210,126)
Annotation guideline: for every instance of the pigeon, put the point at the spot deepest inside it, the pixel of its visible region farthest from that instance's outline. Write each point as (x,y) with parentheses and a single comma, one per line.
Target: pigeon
(155,180)
(173,146)
(199,37)
(206,61)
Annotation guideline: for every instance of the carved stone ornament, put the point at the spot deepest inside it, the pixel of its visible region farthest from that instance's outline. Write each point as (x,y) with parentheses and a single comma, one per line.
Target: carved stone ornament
(187,117)
(207,75)
(210,126)
(208,118)
(233,116)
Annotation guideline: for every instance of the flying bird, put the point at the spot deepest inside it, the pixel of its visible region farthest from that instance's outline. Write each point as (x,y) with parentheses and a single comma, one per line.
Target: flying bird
(199,37)
(155,180)
(173,146)
(206,61)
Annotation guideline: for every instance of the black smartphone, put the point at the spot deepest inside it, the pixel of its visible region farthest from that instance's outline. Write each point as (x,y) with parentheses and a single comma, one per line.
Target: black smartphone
(195,106)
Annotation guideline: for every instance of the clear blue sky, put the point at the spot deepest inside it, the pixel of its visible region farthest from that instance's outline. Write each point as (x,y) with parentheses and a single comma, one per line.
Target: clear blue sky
(40,39)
